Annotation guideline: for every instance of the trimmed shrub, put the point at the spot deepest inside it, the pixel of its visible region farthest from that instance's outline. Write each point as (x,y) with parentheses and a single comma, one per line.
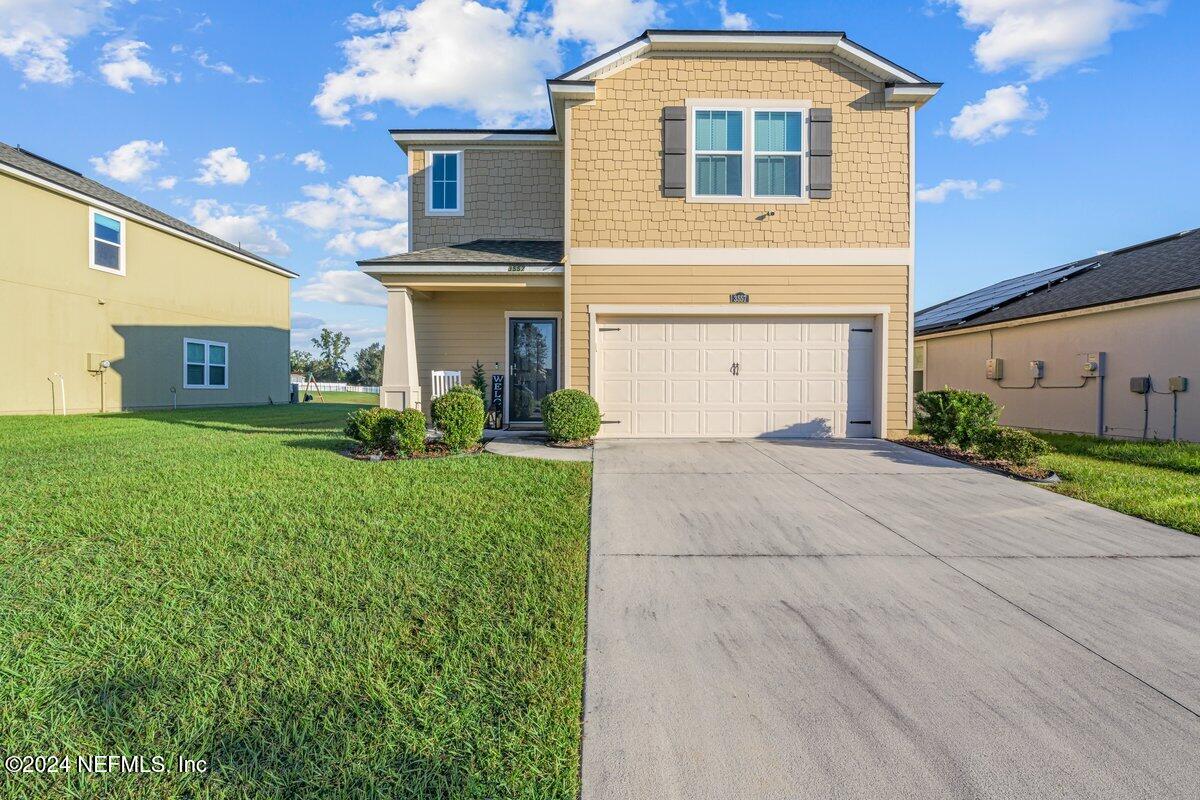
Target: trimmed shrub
(373,428)
(570,415)
(410,432)
(956,416)
(458,414)
(1012,445)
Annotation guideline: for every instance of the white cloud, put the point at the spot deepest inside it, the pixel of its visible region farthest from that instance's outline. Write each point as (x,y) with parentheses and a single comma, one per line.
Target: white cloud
(733,20)
(343,286)
(167,183)
(389,240)
(604,24)
(969,189)
(36,34)
(995,115)
(306,326)
(311,161)
(202,58)
(223,166)
(122,64)
(456,53)
(1044,36)
(248,229)
(131,161)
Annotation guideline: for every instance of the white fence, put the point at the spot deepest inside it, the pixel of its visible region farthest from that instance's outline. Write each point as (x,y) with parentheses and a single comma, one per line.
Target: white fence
(318,386)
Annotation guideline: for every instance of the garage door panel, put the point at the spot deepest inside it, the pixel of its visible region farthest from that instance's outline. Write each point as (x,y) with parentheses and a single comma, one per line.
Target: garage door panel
(797,377)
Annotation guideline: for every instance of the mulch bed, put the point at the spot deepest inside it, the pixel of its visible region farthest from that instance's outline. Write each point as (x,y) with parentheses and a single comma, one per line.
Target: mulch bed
(432,450)
(1026,473)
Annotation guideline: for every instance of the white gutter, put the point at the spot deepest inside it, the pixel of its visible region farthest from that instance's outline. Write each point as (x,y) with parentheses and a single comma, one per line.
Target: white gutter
(462,269)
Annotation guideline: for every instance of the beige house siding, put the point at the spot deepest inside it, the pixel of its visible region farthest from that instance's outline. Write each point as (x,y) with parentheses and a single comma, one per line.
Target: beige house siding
(1158,340)
(55,310)
(616,152)
(508,193)
(773,285)
(454,329)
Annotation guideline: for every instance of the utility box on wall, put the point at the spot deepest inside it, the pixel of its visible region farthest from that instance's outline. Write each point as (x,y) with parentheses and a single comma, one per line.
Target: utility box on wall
(1178,384)
(1139,385)
(995,369)
(1093,365)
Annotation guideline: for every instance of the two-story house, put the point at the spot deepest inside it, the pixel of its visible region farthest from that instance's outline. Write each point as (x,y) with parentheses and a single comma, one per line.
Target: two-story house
(714,238)
(107,304)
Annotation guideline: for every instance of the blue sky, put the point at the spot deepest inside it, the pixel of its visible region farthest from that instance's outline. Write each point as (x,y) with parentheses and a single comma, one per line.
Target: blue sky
(1064,127)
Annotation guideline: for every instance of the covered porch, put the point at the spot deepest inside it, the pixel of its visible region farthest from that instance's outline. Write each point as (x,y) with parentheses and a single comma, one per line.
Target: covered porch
(498,303)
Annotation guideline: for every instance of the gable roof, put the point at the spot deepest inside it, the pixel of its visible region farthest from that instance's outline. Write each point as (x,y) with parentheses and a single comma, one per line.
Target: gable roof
(481,251)
(1160,266)
(27,164)
(901,85)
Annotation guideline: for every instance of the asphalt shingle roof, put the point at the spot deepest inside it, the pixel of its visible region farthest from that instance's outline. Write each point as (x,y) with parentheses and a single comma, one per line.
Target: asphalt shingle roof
(1161,266)
(481,251)
(47,170)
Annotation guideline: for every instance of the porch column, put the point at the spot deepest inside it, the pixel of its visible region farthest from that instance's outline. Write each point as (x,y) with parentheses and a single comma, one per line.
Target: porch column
(400,389)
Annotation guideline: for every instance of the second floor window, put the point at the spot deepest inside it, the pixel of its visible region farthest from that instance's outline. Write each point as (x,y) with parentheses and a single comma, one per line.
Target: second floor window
(107,243)
(444,184)
(777,154)
(718,153)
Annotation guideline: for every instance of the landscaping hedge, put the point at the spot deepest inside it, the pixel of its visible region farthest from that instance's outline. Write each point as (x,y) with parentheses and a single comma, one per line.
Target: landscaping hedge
(1012,445)
(459,415)
(956,416)
(410,432)
(570,415)
(374,428)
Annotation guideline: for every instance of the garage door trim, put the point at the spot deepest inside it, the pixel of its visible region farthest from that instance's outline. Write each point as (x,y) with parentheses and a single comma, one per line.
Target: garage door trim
(879,313)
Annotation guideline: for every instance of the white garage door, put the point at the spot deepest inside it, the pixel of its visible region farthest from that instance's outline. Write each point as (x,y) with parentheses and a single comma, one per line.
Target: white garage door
(771,376)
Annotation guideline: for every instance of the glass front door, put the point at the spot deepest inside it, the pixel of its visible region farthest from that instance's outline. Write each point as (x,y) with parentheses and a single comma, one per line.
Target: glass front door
(532,366)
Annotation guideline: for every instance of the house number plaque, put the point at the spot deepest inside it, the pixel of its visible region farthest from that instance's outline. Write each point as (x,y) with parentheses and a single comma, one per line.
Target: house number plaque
(739,297)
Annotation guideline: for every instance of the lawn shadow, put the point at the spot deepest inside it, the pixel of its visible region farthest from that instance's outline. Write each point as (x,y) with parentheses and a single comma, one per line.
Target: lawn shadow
(284,419)
(276,744)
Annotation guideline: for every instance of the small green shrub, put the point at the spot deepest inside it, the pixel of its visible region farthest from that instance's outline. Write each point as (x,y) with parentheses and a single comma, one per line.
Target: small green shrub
(410,432)
(1012,445)
(955,416)
(458,414)
(374,428)
(570,415)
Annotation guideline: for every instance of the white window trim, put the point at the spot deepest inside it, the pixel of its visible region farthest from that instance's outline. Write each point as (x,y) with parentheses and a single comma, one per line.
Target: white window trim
(457,211)
(91,242)
(206,343)
(747,107)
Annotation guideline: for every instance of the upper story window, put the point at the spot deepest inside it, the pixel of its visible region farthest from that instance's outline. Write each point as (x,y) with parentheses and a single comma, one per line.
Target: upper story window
(444,183)
(747,151)
(205,364)
(106,242)
(718,146)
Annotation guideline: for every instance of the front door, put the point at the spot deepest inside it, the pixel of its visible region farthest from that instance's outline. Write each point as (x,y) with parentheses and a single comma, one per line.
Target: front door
(532,366)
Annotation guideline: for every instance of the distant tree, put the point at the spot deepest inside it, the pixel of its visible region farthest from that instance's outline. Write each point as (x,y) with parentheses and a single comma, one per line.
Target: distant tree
(331,347)
(479,379)
(368,363)
(302,362)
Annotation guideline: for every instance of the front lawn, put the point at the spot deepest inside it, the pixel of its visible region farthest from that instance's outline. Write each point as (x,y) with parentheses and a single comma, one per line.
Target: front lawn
(222,585)
(1157,481)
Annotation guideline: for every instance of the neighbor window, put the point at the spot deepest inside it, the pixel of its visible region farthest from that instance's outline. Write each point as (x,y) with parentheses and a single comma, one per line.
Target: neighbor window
(107,242)
(444,184)
(205,364)
(919,357)
(777,153)
(718,152)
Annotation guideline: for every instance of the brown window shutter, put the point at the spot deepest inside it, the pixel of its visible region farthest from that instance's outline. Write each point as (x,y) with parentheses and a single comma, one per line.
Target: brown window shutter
(674,160)
(820,153)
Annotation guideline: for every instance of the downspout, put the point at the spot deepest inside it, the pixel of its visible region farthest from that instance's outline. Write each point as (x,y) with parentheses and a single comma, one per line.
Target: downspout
(1100,407)
(62,391)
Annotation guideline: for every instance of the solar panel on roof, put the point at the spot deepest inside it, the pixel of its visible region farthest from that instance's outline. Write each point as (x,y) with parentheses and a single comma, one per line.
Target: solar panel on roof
(969,305)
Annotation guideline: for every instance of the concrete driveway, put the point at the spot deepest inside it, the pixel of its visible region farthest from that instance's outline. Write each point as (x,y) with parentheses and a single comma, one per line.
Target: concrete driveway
(856,619)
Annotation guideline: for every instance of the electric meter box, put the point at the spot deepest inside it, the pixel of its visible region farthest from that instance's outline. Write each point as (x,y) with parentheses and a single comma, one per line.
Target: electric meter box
(1093,365)
(995,369)
(95,362)
(1037,369)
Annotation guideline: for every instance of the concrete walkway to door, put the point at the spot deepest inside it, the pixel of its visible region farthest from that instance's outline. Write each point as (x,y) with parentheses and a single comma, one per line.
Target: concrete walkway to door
(855,619)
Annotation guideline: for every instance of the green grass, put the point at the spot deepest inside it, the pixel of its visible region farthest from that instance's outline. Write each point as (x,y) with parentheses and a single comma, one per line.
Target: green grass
(221,584)
(1157,481)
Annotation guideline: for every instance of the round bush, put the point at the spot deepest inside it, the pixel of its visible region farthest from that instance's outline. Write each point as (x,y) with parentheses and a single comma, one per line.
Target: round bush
(374,428)
(956,416)
(570,415)
(1012,445)
(410,432)
(458,414)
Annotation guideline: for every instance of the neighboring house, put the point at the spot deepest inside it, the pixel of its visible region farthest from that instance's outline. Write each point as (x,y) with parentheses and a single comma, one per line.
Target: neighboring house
(108,304)
(1107,334)
(713,239)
